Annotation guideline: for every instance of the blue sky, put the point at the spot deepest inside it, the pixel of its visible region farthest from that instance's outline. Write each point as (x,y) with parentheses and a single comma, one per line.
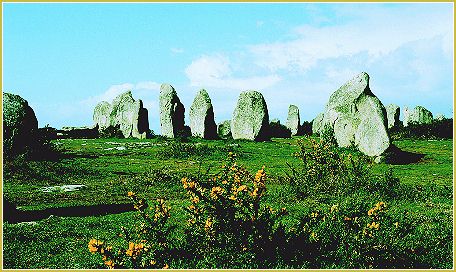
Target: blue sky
(65,58)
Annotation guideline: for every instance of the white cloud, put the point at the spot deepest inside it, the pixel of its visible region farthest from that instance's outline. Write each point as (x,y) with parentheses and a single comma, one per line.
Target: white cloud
(376,30)
(216,71)
(114,90)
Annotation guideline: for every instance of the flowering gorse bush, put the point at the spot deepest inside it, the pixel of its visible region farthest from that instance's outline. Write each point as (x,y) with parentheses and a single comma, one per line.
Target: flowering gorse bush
(227,214)
(147,245)
(350,240)
(327,169)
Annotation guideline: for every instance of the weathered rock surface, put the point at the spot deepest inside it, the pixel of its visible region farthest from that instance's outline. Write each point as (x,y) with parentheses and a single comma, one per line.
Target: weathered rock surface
(201,115)
(439,117)
(101,115)
(317,123)
(19,125)
(293,120)
(250,119)
(171,112)
(393,112)
(125,113)
(357,117)
(419,115)
(224,129)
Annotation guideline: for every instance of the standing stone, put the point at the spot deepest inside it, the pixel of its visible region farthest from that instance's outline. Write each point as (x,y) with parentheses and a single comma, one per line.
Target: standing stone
(250,119)
(125,113)
(357,117)
(224,129)
(101,115)
(19,125)
(439,117)
(419,115)
(392,112)
(317,123)
(201,115)
(171,112)
(293,120)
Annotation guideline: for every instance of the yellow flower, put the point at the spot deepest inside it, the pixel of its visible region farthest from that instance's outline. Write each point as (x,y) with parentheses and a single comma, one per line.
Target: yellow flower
(334,208)
(241,188)
(166,266)
(109,264)
(371,212)
(373,225)
(216,191)
(131,194)
(153,262)
(94,245)
(208,224)
(260,175)
(195,200)
(131,247)
(396,224)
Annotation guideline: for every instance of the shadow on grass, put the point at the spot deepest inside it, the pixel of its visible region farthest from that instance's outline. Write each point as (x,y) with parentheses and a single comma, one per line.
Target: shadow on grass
(396,156)
(12,215)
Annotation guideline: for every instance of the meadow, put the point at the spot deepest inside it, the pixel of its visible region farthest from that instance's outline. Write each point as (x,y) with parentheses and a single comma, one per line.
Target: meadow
(284,203)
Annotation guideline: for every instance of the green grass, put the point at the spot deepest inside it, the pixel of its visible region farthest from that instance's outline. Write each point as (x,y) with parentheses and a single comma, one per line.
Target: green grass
(112,167)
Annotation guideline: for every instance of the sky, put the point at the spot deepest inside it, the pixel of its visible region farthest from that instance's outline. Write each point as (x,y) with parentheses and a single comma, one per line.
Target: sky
(64,58)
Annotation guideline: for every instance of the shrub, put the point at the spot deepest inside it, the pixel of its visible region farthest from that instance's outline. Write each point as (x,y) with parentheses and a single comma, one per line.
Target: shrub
(146,246)
(343,237)
(229,224)
(438,129)
(182,150)
(277,130)
(329,170)
(305,128)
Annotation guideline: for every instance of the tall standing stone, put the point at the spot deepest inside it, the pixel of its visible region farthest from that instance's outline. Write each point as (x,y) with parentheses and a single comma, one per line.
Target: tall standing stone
(101,115)
(19,125)
(293,120)
(250,117)
(393,112)
(171,112)
(201,115)
(125,113)
(419,115)
(357,117)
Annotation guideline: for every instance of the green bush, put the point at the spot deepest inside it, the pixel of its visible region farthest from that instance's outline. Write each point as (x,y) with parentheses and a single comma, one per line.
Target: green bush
(146,246)
(329,170)
(438,129)
(229,225)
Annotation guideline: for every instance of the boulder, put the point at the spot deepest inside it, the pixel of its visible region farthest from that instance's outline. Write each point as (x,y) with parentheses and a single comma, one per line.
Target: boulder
(293,120)
(393,112)
(224,129)
(357,117)
(125,114)
(439,117)
(171,112)
(419,115)
(101,115)
(317,123)
(20,125)
(201,115)
(250,119)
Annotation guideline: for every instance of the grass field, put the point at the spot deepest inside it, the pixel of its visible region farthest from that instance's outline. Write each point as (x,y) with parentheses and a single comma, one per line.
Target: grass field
(153,168)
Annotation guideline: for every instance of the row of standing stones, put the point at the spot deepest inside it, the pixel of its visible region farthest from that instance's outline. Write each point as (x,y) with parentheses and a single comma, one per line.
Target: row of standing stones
(353,116)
